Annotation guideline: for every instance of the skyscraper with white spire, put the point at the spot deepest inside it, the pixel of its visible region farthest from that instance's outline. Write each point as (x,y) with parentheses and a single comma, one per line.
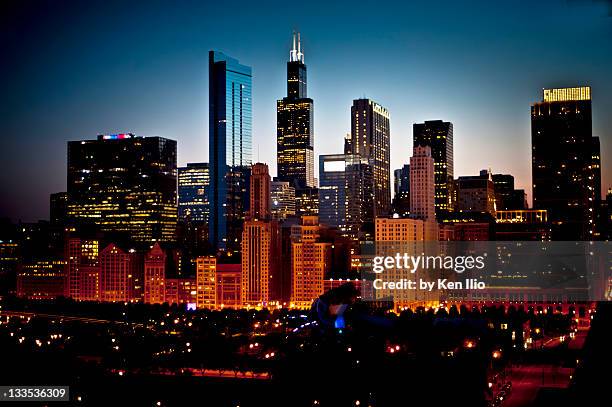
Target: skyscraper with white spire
(294,118)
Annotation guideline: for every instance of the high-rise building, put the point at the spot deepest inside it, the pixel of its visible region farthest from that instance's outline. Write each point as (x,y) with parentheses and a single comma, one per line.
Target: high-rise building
(259,192)
(306,202)
(58,208)
(124,183)
(155,276)
(438,135)
(230,148)
(476,193)
(41,279)
(82,268)
(310,262)
(506,197)
(283,200)
(527,224)
(118,273)
(401,187)
(206,270)
(564,172)
(370,139)
(422,184)
(260,242)
(193,184)
(229,286)
(346,194)
(295,125)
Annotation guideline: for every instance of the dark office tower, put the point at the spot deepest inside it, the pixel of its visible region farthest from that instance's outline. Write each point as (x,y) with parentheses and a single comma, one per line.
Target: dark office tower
(506,197)
(230,120)
(439,136)
(193,184)
(346,197)
(562,159)
(370,139)
(401,180)
(58,208)
(260,192)
(124,183)
(295,122)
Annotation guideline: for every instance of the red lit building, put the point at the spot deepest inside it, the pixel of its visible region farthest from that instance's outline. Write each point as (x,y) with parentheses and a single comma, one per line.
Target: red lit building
(228,278)
(43,279)
(120,275)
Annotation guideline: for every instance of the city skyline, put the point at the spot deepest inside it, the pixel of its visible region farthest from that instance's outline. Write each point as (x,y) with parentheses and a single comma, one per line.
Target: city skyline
(59,110)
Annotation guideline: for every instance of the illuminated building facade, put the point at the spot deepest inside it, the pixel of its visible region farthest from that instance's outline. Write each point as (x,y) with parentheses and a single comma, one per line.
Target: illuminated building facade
(82,268)
(43,279)
(295,125)
(180,291)
(310,262)
(229,286)
(120,275)
(438,135)
(525,224)
(306,202)
(422,184)
(283,200)
(260,242)
(193,184)
(155,276)
(230,148)
(370,139)
(9,261)
(124,183)
(476,193)
(206,294)
(564,171)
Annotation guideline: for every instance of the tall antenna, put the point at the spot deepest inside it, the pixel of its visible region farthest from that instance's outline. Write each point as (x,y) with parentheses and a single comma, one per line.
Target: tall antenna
(296,50)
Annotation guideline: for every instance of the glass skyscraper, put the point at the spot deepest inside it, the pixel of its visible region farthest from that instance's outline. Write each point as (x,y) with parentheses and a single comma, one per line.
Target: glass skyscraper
(230,144)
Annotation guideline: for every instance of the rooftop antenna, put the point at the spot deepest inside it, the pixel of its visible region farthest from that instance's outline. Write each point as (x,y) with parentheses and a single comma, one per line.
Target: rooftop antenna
(296,50)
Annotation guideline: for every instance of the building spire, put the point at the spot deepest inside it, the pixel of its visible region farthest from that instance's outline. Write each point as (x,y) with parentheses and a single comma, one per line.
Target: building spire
(296,50)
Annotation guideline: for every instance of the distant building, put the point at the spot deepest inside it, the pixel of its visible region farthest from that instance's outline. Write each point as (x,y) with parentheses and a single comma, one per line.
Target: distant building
(370,139)
(506,197)
(283,200)
(206,295)
(120,275)
(476,193)
(565,162)
(306,202)
(346,194)
(438,135)
(229,286)
(180,291)
(310,262)
(40,280)
(295,125)
(155,276)
(230,148)
(58,208)
(526,224)
(193,186)
(82,269)
(260,192)
(401,186)
(422,184)
(124,183)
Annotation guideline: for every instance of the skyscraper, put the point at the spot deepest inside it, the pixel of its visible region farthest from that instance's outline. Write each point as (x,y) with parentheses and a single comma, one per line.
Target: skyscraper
(476,193)
(283,199)
(422,184)
(230,148)
(310,262)
(370,139)
(155,276)
(563,173)
(346,195)
(259,192)
(506,197)
(193,184)
(439,136)
(401,187)
(295,125)
(260,242)
(124,183)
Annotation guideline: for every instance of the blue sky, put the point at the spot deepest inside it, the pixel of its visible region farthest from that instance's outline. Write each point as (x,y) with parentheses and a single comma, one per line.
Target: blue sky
(73,70)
